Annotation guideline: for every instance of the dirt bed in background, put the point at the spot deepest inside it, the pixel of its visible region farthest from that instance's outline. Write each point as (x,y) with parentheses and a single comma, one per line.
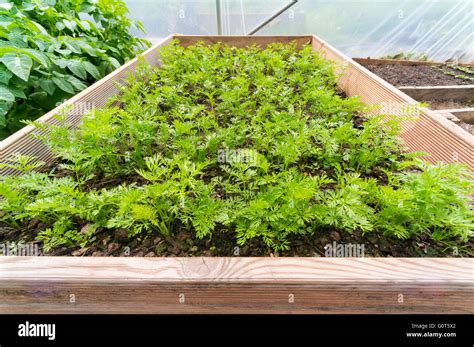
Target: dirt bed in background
(418,75)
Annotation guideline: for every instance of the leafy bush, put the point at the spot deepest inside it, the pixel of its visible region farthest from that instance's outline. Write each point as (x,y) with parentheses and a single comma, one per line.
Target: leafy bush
(52,49)
(253,142)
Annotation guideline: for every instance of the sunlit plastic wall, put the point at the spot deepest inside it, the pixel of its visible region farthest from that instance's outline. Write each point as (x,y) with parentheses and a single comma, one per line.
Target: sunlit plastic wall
(441,29)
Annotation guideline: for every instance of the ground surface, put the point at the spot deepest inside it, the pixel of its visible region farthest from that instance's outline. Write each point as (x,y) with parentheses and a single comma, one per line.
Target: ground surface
(468,127)
(446,105)
(418,75)
(185,245)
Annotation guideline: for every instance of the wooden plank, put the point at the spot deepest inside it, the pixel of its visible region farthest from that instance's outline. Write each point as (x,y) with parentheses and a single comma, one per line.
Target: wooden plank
(370,61)
(440,93)
(236,285)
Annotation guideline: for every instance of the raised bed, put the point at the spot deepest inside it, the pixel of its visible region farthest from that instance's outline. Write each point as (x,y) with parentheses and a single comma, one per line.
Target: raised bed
(426,82)
(247,285)
(432,133)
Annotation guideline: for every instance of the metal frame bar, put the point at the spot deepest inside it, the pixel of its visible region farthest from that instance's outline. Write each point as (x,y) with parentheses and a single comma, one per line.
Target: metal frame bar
(271,18)
(258,27)
(219,17)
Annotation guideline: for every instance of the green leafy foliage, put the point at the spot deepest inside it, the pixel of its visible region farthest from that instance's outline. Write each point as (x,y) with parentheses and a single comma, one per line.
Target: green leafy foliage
(253,142)
(457,71)
(50,50)
(434,201)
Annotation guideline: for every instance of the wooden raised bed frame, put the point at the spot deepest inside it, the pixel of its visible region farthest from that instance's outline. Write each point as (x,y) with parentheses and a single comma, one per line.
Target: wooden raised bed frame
(246,285)
(458,93)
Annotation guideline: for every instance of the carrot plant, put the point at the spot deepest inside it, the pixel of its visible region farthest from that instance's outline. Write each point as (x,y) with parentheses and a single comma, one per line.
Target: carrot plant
(256,143)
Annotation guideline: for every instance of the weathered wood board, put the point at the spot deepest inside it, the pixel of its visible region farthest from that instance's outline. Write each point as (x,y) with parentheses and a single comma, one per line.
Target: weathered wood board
(235,285)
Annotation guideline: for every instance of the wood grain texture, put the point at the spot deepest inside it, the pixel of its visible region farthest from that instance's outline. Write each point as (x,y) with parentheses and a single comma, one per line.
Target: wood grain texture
(440,93)
(235,285)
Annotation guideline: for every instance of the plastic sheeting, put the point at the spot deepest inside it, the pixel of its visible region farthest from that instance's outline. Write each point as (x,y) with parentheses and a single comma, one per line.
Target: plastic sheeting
(440,29)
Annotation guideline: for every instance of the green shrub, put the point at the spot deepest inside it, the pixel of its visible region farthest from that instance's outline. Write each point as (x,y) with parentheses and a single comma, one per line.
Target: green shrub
(52,49)
(253,142)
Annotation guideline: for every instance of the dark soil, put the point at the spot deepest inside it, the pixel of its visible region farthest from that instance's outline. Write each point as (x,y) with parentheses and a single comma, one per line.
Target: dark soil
(466,126)
(184,244)
(419,75)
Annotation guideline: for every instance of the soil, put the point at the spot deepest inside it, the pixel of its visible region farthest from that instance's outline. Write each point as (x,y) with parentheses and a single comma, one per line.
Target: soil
(184,244)
(466,126)
(418,75)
